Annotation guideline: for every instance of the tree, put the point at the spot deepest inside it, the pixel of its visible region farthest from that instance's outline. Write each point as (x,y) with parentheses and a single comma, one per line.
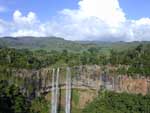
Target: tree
(11,99)
(111,102)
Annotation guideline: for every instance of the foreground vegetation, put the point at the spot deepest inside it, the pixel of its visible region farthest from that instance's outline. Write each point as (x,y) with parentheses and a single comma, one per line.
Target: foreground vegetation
(111,102)
(13,101)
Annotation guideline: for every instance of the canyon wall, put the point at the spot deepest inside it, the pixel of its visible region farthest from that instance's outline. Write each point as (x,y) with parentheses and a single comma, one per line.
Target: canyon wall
(36,82)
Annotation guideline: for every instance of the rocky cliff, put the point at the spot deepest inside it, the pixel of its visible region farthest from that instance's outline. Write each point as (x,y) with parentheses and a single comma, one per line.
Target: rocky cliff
(36,82)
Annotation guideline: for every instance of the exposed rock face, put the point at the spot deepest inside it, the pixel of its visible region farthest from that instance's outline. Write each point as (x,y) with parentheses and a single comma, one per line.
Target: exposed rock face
(35,82)
(85,97)
(32,82)
(134,85)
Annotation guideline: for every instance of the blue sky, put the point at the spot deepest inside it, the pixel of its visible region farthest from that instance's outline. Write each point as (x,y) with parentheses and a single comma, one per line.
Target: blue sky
(136,9)
(45,9)
(106,20)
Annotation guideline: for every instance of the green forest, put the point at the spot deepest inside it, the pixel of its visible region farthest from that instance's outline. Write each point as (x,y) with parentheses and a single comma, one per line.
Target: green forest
(111,102)
(13,101)
(131,61)
(137,59)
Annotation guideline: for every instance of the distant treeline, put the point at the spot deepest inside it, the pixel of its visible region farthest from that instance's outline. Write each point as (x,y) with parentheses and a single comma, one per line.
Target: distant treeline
(132,61)
(136,61)
(23,58)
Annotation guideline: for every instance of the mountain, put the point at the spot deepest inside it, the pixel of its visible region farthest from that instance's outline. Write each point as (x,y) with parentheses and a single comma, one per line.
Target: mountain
(44,43)
(58,44)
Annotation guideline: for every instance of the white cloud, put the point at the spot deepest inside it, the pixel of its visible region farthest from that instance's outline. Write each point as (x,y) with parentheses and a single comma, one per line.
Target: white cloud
(21,20)
(108,11)
(26,33)
(141,28)
(93,20)
(25,25)
(5,27)
(142,21)
(1,27)
(101,20)
(3,9)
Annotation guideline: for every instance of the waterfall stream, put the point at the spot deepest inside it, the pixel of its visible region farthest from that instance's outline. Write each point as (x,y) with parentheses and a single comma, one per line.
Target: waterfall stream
(68,91)
(55,91)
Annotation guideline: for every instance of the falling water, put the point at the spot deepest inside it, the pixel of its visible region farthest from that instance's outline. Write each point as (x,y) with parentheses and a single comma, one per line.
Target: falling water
(57,91)
(68,91)
(53,93)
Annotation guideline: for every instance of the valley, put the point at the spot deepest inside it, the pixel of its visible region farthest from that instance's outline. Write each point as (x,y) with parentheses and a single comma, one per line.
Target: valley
(96,69)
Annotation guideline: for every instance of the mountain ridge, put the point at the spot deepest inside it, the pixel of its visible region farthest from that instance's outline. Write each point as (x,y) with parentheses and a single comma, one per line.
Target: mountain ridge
(59,44)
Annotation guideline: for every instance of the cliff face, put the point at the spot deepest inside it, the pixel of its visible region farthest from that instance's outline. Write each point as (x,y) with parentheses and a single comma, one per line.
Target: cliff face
(35,82)
(32,82)
(135,85)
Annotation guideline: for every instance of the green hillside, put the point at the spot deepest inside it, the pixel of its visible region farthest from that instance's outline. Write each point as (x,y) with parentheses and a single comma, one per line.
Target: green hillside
(59,44)
(44,43)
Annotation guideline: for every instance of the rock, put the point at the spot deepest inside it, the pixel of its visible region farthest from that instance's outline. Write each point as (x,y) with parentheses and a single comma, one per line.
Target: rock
(35,82)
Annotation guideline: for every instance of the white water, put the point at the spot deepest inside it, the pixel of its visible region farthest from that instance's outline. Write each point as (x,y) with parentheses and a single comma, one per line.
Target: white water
(55,91)
(68,91)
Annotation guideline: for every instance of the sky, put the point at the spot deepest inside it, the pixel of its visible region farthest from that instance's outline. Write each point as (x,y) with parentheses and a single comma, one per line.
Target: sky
(104,20)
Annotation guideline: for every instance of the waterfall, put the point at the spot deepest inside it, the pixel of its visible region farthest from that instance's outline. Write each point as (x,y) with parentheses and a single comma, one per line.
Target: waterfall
(55,91)
(68,91)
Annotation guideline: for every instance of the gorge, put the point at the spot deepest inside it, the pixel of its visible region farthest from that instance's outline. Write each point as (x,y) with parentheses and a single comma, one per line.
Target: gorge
(87,77)
(75,82)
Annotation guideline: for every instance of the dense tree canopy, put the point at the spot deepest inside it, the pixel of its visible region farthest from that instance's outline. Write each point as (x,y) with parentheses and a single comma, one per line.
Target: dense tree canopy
(110,102)
(11,99)
(22,58)
(137,60)
(133,61)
